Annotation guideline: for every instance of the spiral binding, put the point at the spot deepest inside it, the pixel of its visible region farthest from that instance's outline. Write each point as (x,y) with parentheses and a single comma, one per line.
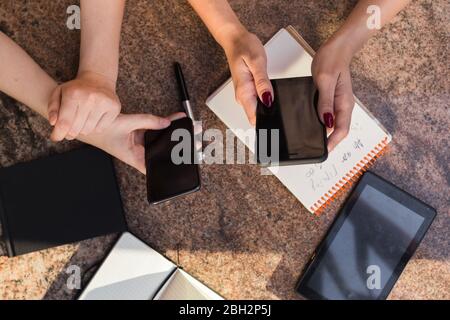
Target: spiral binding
(351,177)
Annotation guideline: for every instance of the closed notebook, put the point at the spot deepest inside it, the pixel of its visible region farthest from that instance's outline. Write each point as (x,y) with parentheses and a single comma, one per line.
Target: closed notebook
(314,185)
(58,200)
(134,271)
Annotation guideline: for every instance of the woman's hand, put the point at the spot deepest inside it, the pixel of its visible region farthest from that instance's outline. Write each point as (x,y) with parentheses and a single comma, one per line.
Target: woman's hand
(124,139)
(331,72)
(89,103)
(86,104)
(248,64)
(245,53)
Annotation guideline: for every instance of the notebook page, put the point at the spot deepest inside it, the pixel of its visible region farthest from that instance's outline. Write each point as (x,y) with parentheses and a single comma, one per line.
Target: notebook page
(309,183)
(132,271)
(182,286)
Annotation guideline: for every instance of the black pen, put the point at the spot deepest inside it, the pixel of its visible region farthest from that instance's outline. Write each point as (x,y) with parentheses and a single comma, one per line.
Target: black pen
(184,92)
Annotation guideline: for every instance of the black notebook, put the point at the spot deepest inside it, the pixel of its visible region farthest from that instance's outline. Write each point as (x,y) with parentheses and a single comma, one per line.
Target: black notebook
(59,200)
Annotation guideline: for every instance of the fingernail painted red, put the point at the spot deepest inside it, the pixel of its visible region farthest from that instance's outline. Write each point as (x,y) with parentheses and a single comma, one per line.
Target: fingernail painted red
(267,99)
(328,119)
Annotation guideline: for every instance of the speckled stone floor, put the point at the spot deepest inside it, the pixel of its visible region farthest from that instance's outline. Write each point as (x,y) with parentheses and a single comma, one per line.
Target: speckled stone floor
(234,235)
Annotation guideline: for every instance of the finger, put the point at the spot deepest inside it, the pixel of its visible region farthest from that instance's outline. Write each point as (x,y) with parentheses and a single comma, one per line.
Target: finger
(177,116)
(147,121)
(342,126)
(141,167)
(66,116)
(244,88)
(263,86)
(54,105)
(325,108)
(249,103)
(139,162)
(92,121)
(105,121)
(80,120)
(246,96)
(112,108)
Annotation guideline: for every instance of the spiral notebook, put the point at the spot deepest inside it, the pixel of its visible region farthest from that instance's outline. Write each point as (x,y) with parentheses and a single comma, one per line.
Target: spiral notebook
(314,185)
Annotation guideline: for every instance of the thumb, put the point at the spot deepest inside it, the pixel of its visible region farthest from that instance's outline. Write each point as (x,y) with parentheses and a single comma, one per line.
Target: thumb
(325,107)
(53,105)
(262,83)
(140,162)
(147,121)
(177,116)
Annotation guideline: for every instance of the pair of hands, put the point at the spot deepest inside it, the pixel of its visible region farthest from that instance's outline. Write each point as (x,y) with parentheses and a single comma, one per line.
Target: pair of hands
(330,69)
(88,108)
(82,106)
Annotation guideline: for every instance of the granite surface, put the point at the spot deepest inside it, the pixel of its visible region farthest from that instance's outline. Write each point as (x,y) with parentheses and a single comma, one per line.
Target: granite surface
(243,234)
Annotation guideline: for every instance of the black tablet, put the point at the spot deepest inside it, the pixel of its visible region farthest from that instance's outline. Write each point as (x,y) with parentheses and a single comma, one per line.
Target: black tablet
(368,245)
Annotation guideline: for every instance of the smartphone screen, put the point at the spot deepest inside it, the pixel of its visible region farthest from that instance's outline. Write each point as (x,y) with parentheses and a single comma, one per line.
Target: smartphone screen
(301,136)
(170,160)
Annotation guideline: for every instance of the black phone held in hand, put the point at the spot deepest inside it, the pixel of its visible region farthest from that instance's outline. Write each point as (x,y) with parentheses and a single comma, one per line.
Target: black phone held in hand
(170,157)
(290,131)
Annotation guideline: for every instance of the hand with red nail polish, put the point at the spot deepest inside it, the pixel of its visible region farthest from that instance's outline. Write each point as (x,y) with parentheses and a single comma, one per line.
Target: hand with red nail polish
(248,64)
(245,54)
(331,72)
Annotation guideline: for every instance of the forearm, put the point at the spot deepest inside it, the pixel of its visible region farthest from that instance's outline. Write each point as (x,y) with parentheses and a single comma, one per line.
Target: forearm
(355,31)
(101,23)
(220,20)
(24,80)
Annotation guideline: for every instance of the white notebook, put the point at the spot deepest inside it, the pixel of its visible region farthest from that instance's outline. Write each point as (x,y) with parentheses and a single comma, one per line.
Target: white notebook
(134,271)
(314,185)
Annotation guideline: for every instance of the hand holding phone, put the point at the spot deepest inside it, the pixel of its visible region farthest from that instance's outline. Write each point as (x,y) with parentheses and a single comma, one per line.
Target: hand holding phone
(171,154)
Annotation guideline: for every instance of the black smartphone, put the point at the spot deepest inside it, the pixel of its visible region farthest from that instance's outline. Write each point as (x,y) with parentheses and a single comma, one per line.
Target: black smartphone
(170,157)
(290,131)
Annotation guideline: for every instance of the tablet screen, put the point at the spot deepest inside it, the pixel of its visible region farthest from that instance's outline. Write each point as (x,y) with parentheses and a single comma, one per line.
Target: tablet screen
(366,249)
